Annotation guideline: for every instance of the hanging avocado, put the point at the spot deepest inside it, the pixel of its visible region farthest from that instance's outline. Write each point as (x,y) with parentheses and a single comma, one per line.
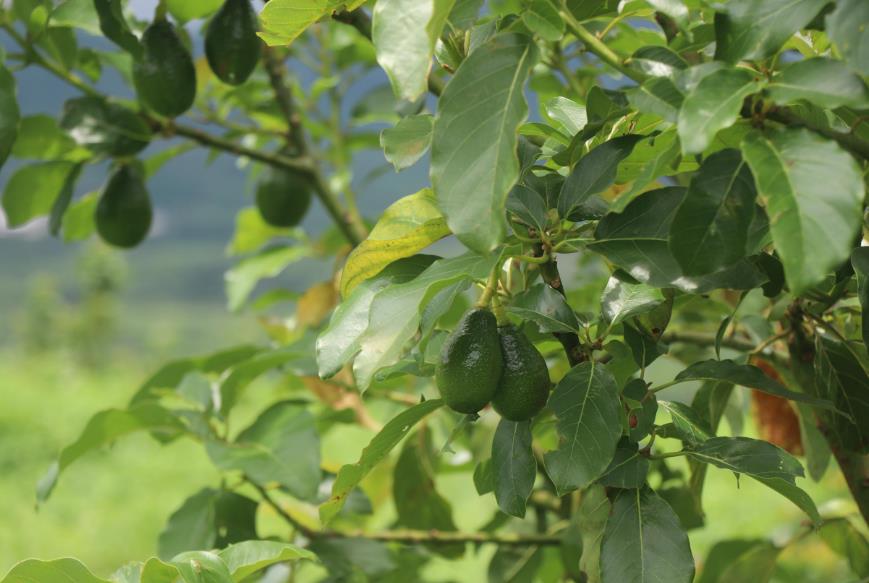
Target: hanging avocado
(283,197)
(231,44)
(470,362)
(524,386)
(123,215)
(164,74)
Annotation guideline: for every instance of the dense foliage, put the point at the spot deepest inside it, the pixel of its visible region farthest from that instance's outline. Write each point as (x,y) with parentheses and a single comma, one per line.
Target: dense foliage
(691,183)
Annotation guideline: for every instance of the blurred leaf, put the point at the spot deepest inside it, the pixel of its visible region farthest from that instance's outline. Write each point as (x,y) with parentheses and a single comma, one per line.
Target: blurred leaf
(766,463)
(592,516)
(813,191)
(104,428)
(846,28)
(407,142)
(417,502)
(568,113)
(281,446)
(474,163)
(381,445)
(184,10)
(514,468)
(514,565)
(587,408)
(657,61)
(284,20)
(78,221)
(731,561)
(545,307)
(105,128)
(714,105)
(848,542)
(404,33)
(644,541)
(841,377)
(76,13)
(484,479)
(860,263)
(32,190)
(40,138)
(543,19)
(658,95)
(114,26)
(252,232)
(815,445)
(407,226)
(822,81)
(197,567)
(67,570)
(246,558)
(237,376)
(244,276)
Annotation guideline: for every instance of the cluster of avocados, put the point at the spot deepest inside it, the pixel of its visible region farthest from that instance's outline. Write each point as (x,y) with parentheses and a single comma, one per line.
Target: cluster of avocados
(482,361)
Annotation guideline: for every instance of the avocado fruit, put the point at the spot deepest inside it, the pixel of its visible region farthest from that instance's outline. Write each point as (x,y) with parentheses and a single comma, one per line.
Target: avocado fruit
(524,386)
(470,363)
(283,197)
(123,215)
(164,74)
(231,45)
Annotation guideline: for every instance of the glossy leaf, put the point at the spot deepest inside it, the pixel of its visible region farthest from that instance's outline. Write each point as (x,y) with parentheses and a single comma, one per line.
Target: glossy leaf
(404,33)
(283,21)
(622,299)
(714,105)
(545,307)
(658,95)
(407,226)
(628,468)
(380,446)
(710,229)
(66,570)
(766,463)
(185,10)
(105,128)
(246,558)
(813,192)
(822,81)
(689,426)
(644,541)
(586,406)
(568,113)
(76,13)
(407,142)
(513,466)
(474,162)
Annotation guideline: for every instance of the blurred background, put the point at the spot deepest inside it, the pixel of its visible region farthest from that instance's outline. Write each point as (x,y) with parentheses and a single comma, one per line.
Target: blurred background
(82,325)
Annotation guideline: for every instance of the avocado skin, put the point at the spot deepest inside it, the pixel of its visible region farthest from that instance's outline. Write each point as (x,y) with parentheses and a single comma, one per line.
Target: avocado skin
(283,197)
(470,362)
(231,44)
(123,215)
(524,387)
(164,76)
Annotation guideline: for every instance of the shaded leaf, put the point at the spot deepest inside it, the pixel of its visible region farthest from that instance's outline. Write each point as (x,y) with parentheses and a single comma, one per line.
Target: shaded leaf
(860,263)
(848,542)
(822,81)
(628,468)
(407,142)
(736,560)
(283,21)
(841,377)
(622,299)
(513,466)
(545,307)
(846,26)
(689,426)
(114,26)
(32,191)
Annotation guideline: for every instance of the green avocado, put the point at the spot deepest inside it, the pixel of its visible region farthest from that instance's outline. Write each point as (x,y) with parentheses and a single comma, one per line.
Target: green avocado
(231,44)
(283,197)
(524,387)
(470,362)
(164,75)
(123,216)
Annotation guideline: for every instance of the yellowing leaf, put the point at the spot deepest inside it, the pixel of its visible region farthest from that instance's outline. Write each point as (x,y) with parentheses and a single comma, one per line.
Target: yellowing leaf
(409,225)
(284,20)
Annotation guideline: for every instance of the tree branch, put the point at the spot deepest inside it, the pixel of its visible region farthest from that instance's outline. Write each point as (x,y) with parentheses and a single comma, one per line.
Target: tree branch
(277,77)
(428,537)
(597,47)
(850,142)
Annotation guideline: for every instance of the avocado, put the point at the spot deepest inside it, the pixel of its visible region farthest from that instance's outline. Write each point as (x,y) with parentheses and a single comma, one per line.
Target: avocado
(123,216)
(283,197)
(470,362)
(164,75)
(524,387)
(231,44)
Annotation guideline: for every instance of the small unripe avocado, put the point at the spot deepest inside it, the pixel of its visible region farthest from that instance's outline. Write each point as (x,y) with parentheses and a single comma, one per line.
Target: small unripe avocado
(164,74)
(524,386)
(231,44)
(283,197)
(470,363)
(123,216)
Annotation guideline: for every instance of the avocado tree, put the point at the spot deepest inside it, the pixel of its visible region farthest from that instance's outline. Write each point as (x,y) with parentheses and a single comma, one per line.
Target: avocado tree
(626,180)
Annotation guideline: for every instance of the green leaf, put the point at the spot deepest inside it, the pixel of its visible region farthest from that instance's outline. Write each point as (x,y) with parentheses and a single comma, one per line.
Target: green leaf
(841,377)
(407,142)
(104,428)
(761,460)
(714,105)
(587,408)
(114,26)
(252,232)
(527,205)
(40,138)
(184,10)
(657,61)
(484,481)
(384,442)
(283,21)
(848,542)
(513,466)
(813,192)
(519,565)
(825,82)
(846,27)
(474,162)
(105,128)
(76,13)
(543,19)
(644,541)
(404,33)
(545,307)
(407,226)
(658,95)
(710,229)
(746,375)
(244,276)
(860,263)
(740,560)
(594,173)
(815,445)
(688,425)
(628,468)
(622,300)
(281,446)
(78,221)
(417,502)
(246,558)
(199,567)
(66,570)
(749,30)
(568,113)
(396,311)
(32,190)
(592,515)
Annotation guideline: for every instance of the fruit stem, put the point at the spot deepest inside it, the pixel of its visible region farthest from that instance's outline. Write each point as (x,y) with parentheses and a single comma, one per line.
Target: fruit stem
(498,310)
(491,286)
